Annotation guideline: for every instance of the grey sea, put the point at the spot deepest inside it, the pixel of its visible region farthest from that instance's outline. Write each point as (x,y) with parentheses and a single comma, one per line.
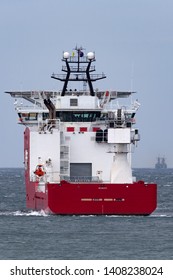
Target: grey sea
(28,235)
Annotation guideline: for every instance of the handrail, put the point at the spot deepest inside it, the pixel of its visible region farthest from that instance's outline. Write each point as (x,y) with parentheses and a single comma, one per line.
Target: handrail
(80,178)
(78,69)
(79,77)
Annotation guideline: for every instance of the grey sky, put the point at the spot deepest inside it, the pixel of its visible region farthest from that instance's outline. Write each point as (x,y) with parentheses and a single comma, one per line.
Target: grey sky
(125,35)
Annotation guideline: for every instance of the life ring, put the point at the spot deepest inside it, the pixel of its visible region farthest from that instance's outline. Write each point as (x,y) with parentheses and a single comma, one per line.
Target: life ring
(39,171)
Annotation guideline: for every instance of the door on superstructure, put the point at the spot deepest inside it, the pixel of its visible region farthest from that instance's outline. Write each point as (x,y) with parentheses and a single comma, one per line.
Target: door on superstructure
(81,171)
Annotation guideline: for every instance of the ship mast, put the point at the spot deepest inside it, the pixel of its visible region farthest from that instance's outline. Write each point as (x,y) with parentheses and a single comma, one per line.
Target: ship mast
(78,68)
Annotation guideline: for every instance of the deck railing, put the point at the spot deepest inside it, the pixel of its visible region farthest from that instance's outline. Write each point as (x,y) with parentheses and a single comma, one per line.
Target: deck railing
(80,178)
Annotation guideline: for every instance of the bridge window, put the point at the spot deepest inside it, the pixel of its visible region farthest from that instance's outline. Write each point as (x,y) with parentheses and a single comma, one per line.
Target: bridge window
(70,116)
(73,102)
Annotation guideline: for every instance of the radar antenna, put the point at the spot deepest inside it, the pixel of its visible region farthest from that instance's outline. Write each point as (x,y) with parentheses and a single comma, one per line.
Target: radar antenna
(78,68)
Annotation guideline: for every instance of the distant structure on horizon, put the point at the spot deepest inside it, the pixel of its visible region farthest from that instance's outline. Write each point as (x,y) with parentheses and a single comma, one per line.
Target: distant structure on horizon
(161,164)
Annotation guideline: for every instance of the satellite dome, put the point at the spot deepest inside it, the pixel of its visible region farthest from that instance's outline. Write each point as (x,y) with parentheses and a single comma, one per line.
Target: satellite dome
(66,55)
(90,55)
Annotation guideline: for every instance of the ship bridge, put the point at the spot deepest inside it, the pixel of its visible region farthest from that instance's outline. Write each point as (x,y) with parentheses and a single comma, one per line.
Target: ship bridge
(67,105)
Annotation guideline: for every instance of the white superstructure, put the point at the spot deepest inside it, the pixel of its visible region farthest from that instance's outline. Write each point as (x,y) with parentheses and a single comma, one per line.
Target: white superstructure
(79,135)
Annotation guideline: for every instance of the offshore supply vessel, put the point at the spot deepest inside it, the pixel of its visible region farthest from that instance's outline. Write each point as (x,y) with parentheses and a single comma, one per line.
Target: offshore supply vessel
(78,145)
(161,163)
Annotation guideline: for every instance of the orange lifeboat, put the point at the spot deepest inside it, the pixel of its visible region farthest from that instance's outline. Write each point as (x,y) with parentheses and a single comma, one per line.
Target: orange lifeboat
(39,170)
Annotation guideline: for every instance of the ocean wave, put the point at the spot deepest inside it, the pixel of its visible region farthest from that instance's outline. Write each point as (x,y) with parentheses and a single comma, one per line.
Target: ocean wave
(170,215)
(24,213)
(42,213)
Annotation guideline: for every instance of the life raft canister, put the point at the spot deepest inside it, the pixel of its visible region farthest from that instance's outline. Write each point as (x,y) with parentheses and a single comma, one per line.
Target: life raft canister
(39,170)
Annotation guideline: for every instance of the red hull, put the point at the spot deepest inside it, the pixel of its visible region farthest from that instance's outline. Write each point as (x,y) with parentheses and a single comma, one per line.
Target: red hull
(90,198)
(94,199)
